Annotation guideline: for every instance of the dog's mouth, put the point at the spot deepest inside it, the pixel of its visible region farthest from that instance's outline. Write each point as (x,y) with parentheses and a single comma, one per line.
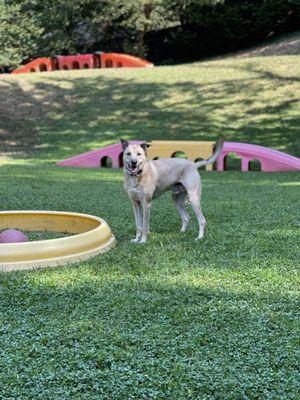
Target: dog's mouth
(132,169)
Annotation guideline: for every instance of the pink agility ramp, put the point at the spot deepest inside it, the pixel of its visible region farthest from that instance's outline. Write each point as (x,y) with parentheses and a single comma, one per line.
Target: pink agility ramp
(98,158)
(270,160)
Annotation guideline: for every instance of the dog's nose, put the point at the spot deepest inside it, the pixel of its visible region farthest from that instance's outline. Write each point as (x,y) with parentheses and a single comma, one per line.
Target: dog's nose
(134,163)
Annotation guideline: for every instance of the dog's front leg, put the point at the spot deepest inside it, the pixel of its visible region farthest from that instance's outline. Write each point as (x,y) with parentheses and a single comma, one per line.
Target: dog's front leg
(146,217)
(137,209)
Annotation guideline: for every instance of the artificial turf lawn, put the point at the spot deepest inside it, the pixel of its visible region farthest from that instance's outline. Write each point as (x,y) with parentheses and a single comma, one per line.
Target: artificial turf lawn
(172,319)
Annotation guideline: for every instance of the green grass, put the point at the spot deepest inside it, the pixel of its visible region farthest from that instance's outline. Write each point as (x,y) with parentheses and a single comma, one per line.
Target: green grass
(40,235)
(64,113)
(172,319)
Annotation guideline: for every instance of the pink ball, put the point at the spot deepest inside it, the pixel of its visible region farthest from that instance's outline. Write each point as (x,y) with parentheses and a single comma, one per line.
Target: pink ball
(12,236)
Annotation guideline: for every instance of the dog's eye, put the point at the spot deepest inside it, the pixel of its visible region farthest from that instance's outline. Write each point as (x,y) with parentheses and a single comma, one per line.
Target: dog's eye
(128,153)
(138,154)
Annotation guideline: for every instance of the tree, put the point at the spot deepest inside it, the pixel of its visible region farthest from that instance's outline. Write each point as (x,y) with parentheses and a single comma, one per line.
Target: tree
(181,9)
(139,17)
(67,25)
(19,33)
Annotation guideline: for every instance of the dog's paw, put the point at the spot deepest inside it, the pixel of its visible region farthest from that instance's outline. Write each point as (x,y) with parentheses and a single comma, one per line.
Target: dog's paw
(199,237)
(135,240)
(184,227)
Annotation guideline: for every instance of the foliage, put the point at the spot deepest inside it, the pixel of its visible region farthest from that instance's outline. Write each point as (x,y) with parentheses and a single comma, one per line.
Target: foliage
(70,26)
(162,30)
(19,33)
(223,27)
(141,17)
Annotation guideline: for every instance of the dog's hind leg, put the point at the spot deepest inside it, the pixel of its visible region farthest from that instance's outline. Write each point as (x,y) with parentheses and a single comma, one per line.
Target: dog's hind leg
(179,201)
(192,183)
(194,198)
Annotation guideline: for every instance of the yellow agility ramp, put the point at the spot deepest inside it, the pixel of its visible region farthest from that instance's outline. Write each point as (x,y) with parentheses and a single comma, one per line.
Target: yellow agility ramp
(90,236)
(192,149)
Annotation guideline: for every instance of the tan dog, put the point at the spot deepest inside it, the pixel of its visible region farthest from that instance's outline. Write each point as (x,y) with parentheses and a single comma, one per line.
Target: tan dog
(145,180)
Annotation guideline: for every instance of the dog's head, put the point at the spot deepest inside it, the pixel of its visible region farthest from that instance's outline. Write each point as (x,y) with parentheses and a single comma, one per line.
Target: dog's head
(134,156)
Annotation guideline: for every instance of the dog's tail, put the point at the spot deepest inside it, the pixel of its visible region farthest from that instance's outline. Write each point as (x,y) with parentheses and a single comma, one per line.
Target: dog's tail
(214,157)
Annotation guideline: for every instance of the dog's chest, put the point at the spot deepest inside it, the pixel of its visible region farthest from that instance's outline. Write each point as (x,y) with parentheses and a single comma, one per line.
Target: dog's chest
(134,190)
(138,189)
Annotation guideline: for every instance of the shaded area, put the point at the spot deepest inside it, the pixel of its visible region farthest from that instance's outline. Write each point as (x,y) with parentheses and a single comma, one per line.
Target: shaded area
(100,335)
(64,114)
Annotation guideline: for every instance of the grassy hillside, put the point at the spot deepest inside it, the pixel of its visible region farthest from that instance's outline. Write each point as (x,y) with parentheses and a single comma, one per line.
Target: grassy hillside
(55,115)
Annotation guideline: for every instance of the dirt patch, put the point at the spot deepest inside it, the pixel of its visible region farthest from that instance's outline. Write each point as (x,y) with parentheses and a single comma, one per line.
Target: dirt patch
(283,46)
(289,46)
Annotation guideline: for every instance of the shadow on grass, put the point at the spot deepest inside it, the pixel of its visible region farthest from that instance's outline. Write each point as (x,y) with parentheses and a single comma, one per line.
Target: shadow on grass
(88,333)
(61,116)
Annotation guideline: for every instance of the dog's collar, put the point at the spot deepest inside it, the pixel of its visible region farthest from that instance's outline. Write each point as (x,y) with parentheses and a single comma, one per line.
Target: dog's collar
(131,174)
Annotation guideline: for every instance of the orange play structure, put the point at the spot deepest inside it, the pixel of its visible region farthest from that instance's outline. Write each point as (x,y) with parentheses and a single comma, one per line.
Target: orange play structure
(83,61)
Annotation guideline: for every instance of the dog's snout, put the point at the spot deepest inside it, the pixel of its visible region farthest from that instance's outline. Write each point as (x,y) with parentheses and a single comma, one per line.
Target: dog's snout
(133,163)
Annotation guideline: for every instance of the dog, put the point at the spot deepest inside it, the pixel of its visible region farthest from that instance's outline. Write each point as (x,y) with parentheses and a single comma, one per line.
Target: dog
(145,180)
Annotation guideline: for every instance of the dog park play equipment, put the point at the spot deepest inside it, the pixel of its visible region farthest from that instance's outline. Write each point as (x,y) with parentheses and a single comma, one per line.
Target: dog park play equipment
(90,236)
(194,150)
(117,60)
(83,61)
(41,64)
(270,160)
(99,158)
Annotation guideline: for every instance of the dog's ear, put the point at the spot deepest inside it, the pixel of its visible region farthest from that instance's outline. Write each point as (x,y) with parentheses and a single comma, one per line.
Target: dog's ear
(145,146)
(124,143)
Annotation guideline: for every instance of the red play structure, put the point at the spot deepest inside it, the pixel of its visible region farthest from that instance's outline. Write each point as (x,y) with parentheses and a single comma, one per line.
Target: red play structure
(83,61)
